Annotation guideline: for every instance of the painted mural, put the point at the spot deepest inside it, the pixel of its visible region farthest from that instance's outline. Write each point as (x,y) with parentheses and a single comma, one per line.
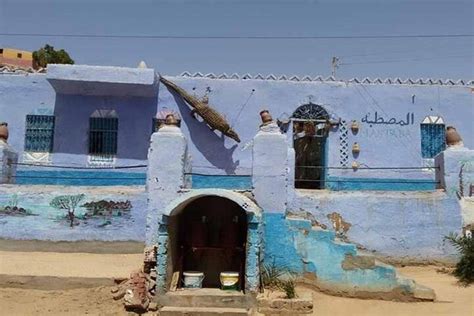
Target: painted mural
(73,213)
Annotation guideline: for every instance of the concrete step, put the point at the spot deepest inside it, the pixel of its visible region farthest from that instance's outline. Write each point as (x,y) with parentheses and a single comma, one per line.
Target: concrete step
(206,298)
(202,311)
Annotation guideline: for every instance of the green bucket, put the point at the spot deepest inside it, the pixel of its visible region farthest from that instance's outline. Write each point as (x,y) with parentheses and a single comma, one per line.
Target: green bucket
(229,280)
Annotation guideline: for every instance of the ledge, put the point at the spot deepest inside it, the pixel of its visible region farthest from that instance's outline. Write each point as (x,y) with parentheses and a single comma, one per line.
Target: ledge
(102,80)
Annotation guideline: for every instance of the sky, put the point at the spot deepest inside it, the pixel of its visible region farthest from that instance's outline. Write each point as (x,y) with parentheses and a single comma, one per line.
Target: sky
(432,57)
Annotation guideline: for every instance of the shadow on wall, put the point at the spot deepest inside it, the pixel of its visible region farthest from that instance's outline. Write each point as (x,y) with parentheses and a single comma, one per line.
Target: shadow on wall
(135,116)
(207,142)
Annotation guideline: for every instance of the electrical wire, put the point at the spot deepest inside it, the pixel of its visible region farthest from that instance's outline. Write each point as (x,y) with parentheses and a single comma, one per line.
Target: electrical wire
(381,180)
(77,167)
(78,178)
(238,37)
(404,60)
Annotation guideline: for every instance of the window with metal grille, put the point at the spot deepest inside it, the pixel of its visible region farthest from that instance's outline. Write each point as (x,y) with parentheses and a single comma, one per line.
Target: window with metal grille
(103,135)
(39,134)
(433,136)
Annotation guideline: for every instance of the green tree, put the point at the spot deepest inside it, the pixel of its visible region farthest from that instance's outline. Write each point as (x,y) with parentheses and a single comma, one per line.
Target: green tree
(68,203)
(48,55)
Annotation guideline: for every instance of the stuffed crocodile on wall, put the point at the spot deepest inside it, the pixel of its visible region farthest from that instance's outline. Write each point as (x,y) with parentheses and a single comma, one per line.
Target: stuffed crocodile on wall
(214,119)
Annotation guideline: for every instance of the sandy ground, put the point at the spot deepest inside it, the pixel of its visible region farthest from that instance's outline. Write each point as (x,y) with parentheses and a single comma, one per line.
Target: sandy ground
(85,265)
(452,299)
(39,283)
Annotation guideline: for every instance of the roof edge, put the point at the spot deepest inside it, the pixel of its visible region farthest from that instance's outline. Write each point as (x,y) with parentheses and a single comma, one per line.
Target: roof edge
(306,78)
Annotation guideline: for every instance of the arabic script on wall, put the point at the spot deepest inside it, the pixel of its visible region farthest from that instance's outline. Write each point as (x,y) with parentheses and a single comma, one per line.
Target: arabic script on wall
(378,119)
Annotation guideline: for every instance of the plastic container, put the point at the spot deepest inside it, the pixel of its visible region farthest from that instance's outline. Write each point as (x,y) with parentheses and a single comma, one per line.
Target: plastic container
(193,279)
(229,280)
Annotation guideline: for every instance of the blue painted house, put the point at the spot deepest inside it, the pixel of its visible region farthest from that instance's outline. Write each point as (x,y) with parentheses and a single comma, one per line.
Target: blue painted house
(345,165)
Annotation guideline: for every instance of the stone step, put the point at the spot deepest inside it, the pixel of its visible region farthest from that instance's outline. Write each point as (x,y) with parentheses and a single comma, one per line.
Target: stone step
(206,298)
(202,311)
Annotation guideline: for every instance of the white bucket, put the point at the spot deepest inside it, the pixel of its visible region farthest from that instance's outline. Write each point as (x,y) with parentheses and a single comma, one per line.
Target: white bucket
(193,279)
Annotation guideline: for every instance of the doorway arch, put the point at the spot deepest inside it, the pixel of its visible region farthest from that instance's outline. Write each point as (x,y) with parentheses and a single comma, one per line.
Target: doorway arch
(309,142)
(211,230)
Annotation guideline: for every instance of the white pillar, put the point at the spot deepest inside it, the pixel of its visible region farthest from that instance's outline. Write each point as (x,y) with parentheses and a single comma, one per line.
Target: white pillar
(8,158)
(271,169)
(455,167)
(167,164)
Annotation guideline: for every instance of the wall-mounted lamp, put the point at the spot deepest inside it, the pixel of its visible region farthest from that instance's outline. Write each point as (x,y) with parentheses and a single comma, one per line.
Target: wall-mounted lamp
(355,165)
(356,149)
(354,127)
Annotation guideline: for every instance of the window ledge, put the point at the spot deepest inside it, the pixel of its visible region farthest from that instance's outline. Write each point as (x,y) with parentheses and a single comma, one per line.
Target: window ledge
(99,160)
(40,158)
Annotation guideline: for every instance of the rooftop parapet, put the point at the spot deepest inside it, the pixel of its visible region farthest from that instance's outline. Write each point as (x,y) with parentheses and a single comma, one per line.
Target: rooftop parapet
(102,80)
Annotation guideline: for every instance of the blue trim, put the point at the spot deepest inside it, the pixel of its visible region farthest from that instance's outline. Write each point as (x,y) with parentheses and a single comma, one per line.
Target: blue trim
(79,178)
(378,184)
(222,182)
(107,178)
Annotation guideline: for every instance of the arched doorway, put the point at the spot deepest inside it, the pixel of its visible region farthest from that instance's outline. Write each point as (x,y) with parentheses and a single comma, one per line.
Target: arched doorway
(209,235)
(310,122)
(211,231)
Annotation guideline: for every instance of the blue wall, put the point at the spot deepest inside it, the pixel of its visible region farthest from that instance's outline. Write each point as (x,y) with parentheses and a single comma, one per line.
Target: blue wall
(72,113)
(294,245)
(409,225)
(401,224)
(21,95)
(381,145)
(240,101)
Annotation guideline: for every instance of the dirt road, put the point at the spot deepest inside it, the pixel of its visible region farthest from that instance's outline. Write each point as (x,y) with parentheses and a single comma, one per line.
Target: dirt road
(38,283)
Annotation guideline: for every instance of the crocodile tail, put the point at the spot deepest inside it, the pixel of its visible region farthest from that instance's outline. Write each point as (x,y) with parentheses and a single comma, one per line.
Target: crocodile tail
(191,100)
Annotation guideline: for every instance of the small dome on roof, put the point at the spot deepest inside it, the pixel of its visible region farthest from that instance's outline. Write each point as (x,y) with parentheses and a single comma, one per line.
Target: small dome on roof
(142,65)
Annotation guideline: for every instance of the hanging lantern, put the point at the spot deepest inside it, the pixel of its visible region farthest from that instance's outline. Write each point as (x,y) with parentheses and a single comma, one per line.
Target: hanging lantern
(356,149)
(355,165)
(354,127)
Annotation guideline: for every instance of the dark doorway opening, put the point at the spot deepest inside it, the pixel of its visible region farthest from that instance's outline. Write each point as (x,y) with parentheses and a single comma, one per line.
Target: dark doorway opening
(310,127)
(209,235)
(309,157)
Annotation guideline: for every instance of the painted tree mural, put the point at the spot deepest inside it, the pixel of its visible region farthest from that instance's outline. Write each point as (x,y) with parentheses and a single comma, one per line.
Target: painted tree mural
(68,203)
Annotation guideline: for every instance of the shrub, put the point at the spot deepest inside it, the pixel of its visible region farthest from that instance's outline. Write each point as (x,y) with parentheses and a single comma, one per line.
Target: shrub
(465,267)
(271,275)
(288,286)
(274,277)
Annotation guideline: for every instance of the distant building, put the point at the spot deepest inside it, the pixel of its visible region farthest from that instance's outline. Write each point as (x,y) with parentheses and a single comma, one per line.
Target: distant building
(16,57)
